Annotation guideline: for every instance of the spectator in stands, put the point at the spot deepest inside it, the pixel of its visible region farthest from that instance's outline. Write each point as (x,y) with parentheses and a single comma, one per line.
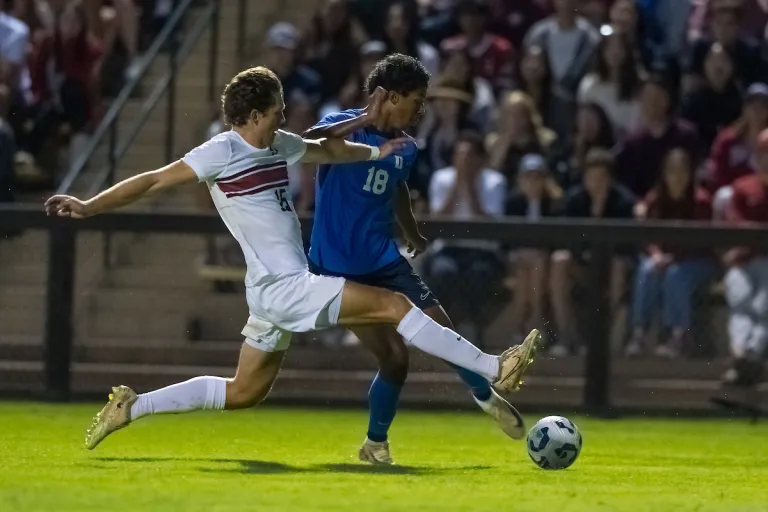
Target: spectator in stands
(667,24)
(732,152)
(513,19)
(14,44)
(7,148)
(599,197)
(64,70)
(668,277)
(467,273)
(446,116)
(753,20)
(534,77)
(457,68)
(570,42)
(726,30)
(520,131)
(614,81)
(332,45)
(625,19)
(746,281)
(401,35)
(282,45)
(535,197)
(639,158)
(492,54)
(717,103)
(593,130)
(595,11)
(352,95)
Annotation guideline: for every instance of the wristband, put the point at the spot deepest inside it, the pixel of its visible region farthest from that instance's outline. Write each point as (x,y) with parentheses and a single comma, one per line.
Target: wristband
(375,153)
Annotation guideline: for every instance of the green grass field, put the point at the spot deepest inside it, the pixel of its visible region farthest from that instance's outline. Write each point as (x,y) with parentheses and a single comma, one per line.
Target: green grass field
(305,459)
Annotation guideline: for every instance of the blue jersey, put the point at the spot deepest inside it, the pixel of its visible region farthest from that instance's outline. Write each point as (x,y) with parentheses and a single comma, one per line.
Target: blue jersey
(355,221)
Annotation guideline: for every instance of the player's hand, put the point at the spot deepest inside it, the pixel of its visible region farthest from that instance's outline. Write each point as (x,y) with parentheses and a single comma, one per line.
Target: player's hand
(374,110)
(393,146)
(67,206)
(416,245)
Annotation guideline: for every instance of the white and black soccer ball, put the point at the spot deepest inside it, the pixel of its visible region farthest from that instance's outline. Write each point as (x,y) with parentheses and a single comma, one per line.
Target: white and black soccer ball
(554,442)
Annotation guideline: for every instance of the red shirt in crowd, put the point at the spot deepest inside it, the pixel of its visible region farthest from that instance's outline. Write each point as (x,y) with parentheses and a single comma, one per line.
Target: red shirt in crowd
(749,203)
(698,209)
(729,159)
(492,56)
(76,59)
(639,159)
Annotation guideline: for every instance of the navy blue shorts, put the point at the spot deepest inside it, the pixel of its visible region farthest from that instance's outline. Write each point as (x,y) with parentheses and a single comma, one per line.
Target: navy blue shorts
(398,276)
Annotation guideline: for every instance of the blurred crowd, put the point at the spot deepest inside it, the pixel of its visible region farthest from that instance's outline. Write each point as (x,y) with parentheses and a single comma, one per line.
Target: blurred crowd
(60,60)
(646,109)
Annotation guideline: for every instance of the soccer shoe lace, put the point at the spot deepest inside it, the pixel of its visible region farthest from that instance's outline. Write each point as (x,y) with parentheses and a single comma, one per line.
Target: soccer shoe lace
(507,417)
(114,416)
(376,453)
(514,361)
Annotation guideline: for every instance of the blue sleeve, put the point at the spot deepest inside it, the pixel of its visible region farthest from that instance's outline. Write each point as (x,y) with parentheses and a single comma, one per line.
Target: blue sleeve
(339,116)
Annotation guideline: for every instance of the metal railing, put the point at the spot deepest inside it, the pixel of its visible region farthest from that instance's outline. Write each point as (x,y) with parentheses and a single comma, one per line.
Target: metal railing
(108,127)
(601,237)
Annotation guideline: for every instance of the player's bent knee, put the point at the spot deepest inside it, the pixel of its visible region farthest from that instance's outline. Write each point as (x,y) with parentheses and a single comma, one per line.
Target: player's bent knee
(245,396)
(396,307)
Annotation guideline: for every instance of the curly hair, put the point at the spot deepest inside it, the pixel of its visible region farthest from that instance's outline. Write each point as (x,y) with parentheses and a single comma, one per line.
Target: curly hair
(253,89)
(399,73)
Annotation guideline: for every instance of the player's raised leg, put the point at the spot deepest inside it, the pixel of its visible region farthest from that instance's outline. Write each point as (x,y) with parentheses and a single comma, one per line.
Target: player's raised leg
(364,305)
(508,418)
(256,371)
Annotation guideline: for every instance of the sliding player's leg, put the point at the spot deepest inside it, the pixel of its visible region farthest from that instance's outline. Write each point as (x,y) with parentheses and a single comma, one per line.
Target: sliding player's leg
(365,305)
(392,357)
(257,369)
(507,417)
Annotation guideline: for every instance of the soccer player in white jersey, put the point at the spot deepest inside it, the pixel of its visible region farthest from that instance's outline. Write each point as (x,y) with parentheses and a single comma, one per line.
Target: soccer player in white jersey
(245,170)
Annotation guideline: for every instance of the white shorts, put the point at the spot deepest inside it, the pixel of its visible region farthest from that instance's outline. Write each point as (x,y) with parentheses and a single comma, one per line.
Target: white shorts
(290,303)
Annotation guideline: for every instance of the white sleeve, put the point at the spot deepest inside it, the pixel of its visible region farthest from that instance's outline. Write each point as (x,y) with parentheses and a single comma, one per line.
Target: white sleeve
(210,159)
(439,185)
(290,145)
(16,51)
(496,194)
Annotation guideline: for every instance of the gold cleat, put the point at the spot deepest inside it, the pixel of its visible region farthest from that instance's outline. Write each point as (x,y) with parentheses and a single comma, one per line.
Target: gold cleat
(114,416)
(514,361)
(376,453)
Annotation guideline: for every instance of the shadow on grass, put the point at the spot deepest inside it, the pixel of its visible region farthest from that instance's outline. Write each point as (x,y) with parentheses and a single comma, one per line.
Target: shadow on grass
(260,467)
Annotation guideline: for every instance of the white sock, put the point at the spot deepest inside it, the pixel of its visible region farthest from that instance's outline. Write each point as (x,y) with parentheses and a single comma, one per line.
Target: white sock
(427,335)
(187,396)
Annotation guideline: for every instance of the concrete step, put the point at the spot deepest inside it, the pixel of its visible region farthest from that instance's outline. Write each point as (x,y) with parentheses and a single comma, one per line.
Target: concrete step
(422,388)
(137,277)
(28,322)
(22,274)
(106,322)
(23,297)
(156,302)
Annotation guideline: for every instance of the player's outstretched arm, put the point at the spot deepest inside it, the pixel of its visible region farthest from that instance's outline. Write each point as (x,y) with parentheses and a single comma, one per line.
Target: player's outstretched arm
(339,130)
(123,193)
(336,151)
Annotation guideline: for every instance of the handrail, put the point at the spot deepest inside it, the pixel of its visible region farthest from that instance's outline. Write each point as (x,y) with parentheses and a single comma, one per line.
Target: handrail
(601,237)
(111,117)
(154,97)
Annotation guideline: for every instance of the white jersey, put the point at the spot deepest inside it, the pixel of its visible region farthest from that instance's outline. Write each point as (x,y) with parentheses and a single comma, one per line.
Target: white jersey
(249,187)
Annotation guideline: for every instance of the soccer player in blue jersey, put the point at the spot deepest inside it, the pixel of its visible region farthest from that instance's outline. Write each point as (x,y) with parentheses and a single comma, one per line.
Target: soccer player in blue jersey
(356,208)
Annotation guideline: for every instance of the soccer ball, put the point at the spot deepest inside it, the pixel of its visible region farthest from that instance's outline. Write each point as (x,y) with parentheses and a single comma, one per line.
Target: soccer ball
(554,442)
